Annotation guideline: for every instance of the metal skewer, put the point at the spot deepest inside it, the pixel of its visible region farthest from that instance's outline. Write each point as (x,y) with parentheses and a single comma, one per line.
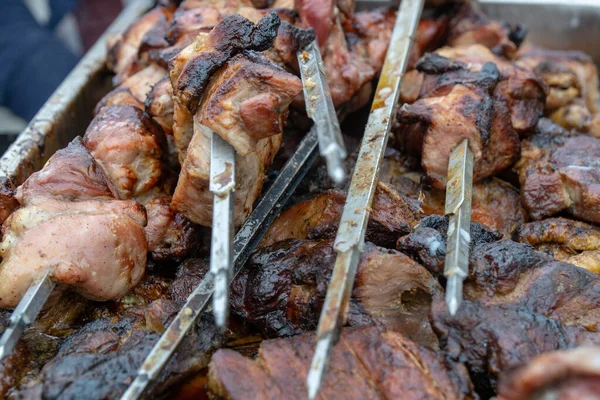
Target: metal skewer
(350,236)
(26,312)
(458,207)
(222,185)
(246,240)
(319,107)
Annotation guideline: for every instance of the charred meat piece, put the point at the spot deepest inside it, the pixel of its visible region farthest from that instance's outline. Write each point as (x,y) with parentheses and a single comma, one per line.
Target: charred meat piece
(369,364)
(283,290)
(392,215)
(560,171)
(456,101)
(471,26)
(567,374)
(97,248)
(565,240)
(127,145)
(99,359)
(70,174)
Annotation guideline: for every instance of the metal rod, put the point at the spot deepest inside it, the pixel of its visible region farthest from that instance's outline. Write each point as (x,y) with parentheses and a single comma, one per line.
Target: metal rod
(319,107)
(246,240)
(458,208)
(26,312)
(222,185)
(350,237)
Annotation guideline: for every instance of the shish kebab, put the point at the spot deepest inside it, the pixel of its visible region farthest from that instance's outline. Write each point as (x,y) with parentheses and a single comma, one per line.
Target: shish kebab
(350,236)
(319,107)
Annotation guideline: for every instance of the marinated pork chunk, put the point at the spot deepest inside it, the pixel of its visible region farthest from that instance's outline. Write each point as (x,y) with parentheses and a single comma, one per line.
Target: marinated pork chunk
(565,240)
(560,171)
(365,364)
(568,374)
(392,215)
(485,104)
(70,174)
(96,247)
(159,105)
(573,81)
(283,290)
(101,358)
(471,26)
(127,145)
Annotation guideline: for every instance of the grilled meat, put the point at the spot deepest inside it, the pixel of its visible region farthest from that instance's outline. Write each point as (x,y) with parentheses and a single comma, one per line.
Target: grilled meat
(283,290)
(392,216)
(559,171)
(369,364)
(127,145)
(567,374)
(159,105)
(565,240)
(486,104)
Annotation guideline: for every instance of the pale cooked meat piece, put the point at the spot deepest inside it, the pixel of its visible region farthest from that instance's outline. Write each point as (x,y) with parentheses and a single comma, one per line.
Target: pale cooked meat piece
(159,104)
(187,23)
(560,171)
(192,197)
(283,290)
(566,375)
(123,50)
(471,26)
(392,215)
(96,247)
(365,364)
(127,144)
(70,174)
(565,240)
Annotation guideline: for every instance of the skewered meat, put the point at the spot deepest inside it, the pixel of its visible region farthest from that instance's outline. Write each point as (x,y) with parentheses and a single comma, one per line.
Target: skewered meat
(101,357)
(559,171)
(392,216)
(471,26)
(365,364)
(565,240)
(100,269)
(478,102)
(159,104)
(126,143)
(568,374)
(283,290)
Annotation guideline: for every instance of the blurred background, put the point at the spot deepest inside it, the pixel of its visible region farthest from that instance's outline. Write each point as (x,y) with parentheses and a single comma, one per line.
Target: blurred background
(40,43)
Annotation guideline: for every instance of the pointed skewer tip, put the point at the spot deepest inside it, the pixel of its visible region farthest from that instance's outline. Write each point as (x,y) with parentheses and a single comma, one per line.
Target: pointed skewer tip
(2,353)
(453,294)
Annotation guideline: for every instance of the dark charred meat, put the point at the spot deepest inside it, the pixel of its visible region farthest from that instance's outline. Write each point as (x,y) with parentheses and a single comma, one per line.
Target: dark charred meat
(283,290)
(369,364)
(559,171)
(392,216)
(567,374)
(483,103)
(565,240)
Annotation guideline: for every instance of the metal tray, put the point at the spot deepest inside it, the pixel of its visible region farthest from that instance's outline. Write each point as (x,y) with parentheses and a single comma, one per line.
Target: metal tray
(555,24)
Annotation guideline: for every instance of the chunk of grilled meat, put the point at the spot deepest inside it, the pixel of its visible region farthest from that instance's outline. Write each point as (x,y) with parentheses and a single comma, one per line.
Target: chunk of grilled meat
(482,103)
(96,247)
(471,26)
(127,144)
(70,174)
(283,290)
(99,359)
(392,215)
(369,364)
(565,240)
(573,81)
(567,374)
(559,171)
(159,104)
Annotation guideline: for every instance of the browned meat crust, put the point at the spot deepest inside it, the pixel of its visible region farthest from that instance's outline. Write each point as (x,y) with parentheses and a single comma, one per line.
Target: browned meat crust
(369,364)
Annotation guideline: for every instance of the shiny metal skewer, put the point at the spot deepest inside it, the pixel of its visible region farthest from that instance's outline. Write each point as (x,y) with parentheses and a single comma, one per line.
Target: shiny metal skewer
(351,233)
(319,107)
(458,207)
(26,312)
(222,185)
(246,240)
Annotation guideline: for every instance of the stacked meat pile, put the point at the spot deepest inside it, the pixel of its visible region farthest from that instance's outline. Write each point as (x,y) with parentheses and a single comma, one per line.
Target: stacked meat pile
(112,214)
